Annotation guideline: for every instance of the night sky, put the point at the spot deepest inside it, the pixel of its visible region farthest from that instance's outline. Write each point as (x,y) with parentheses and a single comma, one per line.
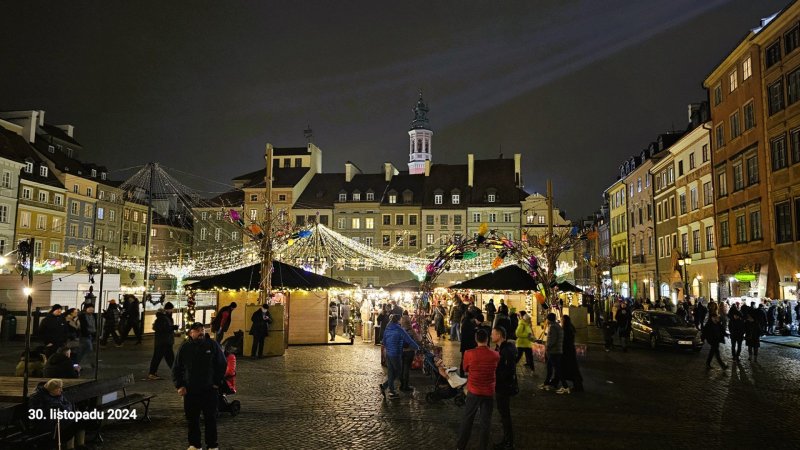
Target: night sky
(575,86)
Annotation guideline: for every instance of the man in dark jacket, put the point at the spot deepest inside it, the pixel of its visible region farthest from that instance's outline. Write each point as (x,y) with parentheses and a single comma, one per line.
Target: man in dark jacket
(224,322)
(700,312)
(60,365)
(164,331)
(468,328)
(456,316)
(491,310)
(53,329)
(714,335)
(502,320)
(261,319)
(623,319)
(132,318)
(737,328)
(111,319)
(393,339)
(505,384)
(88,323)
(198,372)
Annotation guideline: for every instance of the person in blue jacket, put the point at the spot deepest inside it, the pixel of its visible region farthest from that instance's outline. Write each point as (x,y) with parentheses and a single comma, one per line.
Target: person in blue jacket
(393,339)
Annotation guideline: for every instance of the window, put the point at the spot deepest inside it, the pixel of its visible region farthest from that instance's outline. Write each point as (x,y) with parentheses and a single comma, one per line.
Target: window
(37,250)
(29,167)
(682,203)
(437,199)
(457,219)
(73,208)
(298,162)
(685,242)
(752,170)
(705,152)
(98,235)
(797,215)
(709,238)
(490,198)
(793,87)
(429,239)
(3,215)
(253,215)
(708,196)
(287,162)
(507,217)
(680,168)
(136,214)
(724,237)
(412,219)
(369,223)
(649,211)
(773,54)
(387,219)
(88,192)
(27,193)
(722,180)
(234,235)
(738,177)
(492,217)
(342,197)
(356,196)
(658,213)
(639,184)
(73,230)
(429,219)
(6,183)
(43,171)
(741,230)
(476,217)
(154,233)
(392,198)
(455,199)
(541,220)
(749,116)
(791,40)
(720,133)
(783,222)
(755,225)
(734,80)
(369,241)
(412,240)
(794,142)
(204,215)
(75,188)
(775,97)
(41,222)
(443,219)
(747,68)
(54,247)
(696,241)
(88,211)
(112,216)
(355,223)
(370,196)
(693,198)
(253,197)
(779,156)
(100,213)
(341,223)
(203,233)
(717,94)
(399,219)
(386,240)
(736,128)
(43,196)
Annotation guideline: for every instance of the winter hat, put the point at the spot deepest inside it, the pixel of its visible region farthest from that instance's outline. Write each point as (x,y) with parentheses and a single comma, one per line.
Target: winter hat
(169,305)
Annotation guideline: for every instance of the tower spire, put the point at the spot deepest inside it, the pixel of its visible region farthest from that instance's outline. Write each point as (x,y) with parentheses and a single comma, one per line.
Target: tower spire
(420,136)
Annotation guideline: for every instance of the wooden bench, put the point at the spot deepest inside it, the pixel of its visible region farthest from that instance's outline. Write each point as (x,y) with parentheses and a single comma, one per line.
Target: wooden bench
(93,396)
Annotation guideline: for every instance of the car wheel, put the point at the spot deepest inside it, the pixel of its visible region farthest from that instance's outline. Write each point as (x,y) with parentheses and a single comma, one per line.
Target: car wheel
(653,342)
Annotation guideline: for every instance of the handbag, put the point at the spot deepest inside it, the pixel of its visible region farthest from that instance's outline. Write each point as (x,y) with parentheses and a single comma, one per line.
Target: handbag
(538,349)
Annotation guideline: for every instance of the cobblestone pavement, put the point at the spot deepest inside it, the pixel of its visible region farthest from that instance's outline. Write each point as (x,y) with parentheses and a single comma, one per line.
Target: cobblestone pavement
(326,397)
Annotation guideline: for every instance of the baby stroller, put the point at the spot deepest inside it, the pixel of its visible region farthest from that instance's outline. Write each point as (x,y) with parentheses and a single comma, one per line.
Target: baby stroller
(229,386)
(446,382)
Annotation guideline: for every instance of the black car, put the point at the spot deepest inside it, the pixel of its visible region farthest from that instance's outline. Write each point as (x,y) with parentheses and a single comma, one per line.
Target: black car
(664,328)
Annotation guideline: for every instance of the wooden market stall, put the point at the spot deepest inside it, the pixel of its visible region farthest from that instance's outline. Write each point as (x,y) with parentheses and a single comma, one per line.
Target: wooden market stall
(300,310)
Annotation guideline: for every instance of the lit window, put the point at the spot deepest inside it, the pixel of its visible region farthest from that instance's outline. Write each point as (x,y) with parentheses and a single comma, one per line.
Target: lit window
(437,199)
(747,69)
(490,198)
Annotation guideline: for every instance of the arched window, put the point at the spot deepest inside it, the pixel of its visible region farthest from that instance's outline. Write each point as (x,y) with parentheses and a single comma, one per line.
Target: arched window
(664,290)
(624,291)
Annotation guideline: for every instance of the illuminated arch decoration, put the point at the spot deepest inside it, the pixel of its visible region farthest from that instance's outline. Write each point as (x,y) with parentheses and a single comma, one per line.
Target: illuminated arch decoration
(536,256)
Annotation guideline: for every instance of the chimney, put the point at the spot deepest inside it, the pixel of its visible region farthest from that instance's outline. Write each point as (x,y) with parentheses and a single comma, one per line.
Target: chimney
(69,129)
(518,169)
(427,167)
(470,169)
(41,118)
(350,170)
(389,171)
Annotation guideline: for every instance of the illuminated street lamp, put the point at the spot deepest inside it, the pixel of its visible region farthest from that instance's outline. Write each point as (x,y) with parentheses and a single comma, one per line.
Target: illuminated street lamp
(684,261)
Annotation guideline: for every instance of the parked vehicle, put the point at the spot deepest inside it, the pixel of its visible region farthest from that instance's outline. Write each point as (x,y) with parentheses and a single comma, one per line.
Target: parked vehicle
(661,328)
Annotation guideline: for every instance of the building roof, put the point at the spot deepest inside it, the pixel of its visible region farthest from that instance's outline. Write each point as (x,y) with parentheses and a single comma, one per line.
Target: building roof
(365,182)
(290,151)
(281,177)
(58,133)
(446,178)
(404,182)
(494,176)
(16,148)
(321,192)
(233,198)
(283,276)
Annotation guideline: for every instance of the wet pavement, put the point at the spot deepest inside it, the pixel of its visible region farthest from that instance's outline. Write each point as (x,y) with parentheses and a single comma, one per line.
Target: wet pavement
(327,397)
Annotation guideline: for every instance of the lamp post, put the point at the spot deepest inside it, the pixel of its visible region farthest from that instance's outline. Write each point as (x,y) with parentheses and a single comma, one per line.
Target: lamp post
(685,261)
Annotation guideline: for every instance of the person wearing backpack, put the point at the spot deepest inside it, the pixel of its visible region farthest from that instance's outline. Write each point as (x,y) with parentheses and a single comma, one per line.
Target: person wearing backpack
(222,321)
(505,384)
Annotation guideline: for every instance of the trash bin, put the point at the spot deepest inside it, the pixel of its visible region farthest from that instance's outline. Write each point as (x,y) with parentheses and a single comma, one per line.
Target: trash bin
(367,331)
(9,328)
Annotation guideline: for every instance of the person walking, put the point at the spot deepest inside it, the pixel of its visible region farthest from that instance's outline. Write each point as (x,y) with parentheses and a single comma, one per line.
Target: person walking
(569,363)
(112,318)
(198,372)
(438,320)
(481,363)
(408,353)
(736,326)
(700,312)
(131,317)
(713,334)
(88,334)
(505,385)
(222,321)
(491,310)
(524,334)
(393,339)
(771,315)
(752,336)
(456,316)
(623,320)
(53,329)
(261,319)
(164,331)
(554,350)
(333,319)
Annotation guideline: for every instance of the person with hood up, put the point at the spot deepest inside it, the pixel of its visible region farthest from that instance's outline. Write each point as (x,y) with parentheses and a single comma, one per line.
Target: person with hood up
(53,328)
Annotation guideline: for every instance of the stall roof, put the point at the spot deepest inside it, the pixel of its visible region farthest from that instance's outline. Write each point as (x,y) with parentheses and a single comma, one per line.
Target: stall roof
(283,276)
(511,278)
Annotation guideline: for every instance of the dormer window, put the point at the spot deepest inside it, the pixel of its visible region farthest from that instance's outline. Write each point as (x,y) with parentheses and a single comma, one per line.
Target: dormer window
(102,175)
(455,198)
(393,198)
(51,149)
(370,196)
(343,196)
(408,196)
(491,198)
(29,167)
(437,199)
(43,171)
(356,196)
(94,173)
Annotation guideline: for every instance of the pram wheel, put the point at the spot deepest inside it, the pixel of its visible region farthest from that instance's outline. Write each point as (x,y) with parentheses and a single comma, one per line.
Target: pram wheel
(236,405)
